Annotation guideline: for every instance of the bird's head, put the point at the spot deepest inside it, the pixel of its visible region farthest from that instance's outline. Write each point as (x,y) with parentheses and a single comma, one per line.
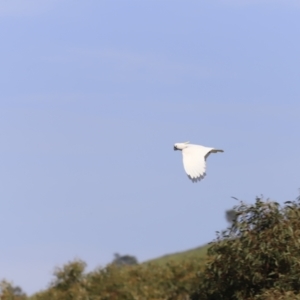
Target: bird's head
(180,146)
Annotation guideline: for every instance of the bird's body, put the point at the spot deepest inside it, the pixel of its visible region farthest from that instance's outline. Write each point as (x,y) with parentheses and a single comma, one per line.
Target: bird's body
(194,159)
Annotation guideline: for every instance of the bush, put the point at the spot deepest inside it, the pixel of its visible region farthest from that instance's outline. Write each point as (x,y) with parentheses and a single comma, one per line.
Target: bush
(69,275)
(10,292)
(259,255)
(123,260)
(173,281)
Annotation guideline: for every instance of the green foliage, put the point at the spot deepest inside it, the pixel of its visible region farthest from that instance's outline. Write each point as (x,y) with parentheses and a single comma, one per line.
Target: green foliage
(258,256)
(69,283)
(11,292)
(276,294)
(173,281)
(69,275)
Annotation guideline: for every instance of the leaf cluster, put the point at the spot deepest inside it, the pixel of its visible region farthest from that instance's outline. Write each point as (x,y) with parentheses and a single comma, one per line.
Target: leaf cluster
(258,256)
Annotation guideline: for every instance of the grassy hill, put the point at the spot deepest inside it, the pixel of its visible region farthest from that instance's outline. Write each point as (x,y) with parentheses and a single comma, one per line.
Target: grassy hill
(198,253)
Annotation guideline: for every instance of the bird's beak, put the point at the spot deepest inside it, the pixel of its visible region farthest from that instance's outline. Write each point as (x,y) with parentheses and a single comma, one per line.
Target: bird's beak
(175,148)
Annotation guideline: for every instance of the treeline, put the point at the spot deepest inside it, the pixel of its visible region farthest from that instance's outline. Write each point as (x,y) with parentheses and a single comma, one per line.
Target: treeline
(149,281)
(257,258)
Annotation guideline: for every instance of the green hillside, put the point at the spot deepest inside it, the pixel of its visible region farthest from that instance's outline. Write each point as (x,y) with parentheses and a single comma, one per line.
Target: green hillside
(198,253)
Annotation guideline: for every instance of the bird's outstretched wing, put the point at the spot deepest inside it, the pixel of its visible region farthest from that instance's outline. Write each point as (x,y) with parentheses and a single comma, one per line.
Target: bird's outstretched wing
(213,151)
(194,162)
(194,158)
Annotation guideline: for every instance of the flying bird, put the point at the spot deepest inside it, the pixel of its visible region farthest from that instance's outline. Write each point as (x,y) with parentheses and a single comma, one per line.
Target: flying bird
(194,159)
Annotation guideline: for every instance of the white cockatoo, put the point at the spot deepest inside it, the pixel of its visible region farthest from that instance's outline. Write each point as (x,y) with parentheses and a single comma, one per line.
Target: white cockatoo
(194,157)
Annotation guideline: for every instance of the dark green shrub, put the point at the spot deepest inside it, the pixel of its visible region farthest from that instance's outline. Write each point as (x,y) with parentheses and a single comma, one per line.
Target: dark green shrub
(124,260)
(259,252)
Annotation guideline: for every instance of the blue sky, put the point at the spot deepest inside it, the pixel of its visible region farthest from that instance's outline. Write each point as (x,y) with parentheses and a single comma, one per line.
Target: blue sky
(93,96)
